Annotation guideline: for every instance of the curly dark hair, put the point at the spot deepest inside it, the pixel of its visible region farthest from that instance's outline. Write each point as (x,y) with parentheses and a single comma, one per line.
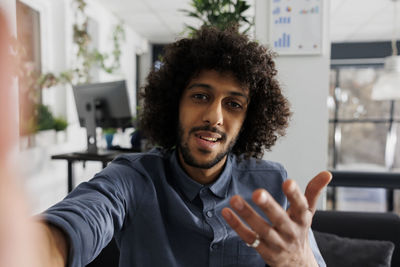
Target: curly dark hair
(225,51)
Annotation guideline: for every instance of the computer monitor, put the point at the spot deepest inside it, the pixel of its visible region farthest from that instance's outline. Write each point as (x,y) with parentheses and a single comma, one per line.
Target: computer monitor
(104,105)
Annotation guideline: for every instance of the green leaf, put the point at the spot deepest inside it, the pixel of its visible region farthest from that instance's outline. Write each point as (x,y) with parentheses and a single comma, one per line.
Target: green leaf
(220,13)
(45,119)
(60,124)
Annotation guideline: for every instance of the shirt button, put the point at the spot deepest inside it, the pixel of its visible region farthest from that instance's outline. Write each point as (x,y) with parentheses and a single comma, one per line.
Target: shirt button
(214,246)
(209,214)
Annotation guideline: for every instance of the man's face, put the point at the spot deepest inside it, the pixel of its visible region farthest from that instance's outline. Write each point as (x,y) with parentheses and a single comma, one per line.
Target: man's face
(211,113)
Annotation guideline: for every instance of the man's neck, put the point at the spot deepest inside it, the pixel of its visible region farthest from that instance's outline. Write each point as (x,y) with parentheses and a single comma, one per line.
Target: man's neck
(203,176)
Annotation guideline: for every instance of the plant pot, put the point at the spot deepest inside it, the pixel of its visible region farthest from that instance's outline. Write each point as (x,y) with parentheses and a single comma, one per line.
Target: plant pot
(61,137)
(45,138)
(109,138)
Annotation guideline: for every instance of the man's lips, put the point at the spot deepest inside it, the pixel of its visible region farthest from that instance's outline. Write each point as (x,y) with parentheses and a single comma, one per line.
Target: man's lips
(207,140)
(205,143)
(208,136)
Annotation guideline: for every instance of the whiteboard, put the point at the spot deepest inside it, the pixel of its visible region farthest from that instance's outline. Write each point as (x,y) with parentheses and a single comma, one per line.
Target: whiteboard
(296,26)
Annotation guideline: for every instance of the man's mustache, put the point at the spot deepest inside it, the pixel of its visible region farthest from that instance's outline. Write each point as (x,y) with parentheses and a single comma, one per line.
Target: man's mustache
(209,129)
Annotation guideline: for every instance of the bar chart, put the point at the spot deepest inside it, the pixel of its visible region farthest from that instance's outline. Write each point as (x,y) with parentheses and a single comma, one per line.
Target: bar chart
(283,41)
(295,26)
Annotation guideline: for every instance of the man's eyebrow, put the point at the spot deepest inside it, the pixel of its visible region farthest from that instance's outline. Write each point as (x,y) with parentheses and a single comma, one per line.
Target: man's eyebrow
(241,95)
(207,86)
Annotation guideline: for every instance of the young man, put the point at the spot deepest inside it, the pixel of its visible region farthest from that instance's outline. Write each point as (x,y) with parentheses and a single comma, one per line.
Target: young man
(213,107)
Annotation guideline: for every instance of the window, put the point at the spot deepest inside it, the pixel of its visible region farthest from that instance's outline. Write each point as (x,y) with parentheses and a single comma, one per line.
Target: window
(359,126)
(363,132)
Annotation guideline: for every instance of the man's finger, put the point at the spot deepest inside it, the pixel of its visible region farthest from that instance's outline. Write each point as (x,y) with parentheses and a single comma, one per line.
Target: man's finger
(267,235)
(299,209)
(254,220)
(315,187)
(238,226)
(276,214)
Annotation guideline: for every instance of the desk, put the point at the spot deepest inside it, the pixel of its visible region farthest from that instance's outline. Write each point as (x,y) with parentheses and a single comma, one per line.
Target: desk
(72,157)
(387,180)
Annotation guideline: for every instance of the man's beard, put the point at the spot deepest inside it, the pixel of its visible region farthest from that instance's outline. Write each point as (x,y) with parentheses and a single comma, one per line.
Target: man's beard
(187,155)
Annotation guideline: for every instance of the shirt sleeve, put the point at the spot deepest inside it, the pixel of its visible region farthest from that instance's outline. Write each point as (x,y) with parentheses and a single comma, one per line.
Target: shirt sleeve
(315,249)
(92,212)
(313,243)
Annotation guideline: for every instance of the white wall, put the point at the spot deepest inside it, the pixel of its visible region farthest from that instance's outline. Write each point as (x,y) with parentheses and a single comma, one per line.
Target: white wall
(57,56)
(305,81)
(145,65)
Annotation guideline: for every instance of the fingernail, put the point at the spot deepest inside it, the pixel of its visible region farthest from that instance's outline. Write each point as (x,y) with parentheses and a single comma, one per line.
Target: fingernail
(262,199)
(238,204)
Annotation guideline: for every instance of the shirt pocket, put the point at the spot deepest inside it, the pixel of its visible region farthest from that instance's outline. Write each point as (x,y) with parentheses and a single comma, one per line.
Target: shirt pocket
(248,256)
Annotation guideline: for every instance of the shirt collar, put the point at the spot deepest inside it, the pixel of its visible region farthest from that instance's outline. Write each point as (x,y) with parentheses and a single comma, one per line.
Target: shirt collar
(221,185)
(191,188)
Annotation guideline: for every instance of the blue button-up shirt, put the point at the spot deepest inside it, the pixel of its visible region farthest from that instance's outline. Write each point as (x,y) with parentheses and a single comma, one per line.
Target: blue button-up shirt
(159,216)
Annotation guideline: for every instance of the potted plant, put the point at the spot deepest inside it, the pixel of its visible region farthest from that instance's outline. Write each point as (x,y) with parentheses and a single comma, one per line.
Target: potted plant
(45,134)
(220,13)
(60,125)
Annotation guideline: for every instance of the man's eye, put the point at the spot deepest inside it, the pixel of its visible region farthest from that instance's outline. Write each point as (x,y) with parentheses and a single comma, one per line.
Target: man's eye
(199,97)
(234,105)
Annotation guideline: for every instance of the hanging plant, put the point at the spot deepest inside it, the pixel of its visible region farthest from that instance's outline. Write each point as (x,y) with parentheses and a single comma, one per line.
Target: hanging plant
(88,58)
(219,13)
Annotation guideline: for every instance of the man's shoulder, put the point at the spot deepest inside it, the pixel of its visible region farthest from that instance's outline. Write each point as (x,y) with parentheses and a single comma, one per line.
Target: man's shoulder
(136,167)
(253,164)
(152,159)
(154,154)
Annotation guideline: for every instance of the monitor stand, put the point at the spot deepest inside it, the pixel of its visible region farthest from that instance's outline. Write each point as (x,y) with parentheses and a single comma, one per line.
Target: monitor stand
(90,124)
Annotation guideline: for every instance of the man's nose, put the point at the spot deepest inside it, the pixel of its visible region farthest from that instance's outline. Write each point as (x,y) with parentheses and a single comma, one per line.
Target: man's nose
(213,115)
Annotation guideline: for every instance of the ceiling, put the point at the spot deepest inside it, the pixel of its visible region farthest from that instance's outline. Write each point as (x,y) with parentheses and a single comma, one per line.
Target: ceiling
(160,21)
(363,20)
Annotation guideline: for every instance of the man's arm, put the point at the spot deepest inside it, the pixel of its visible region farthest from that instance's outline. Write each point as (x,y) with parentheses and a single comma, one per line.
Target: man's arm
(54,246)
(23,242)
(284,242)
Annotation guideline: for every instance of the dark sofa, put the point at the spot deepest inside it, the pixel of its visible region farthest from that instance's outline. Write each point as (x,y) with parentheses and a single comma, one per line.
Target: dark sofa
(363,226)
(354,225)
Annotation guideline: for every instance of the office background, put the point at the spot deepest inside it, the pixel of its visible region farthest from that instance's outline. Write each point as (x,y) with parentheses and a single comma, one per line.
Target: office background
(307,79)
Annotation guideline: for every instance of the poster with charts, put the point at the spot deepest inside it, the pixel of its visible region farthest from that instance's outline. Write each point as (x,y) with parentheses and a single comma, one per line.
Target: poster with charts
(296,26)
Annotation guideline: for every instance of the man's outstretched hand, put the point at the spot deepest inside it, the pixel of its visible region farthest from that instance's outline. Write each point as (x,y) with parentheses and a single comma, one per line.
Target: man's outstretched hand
(23,241)
(284,242)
